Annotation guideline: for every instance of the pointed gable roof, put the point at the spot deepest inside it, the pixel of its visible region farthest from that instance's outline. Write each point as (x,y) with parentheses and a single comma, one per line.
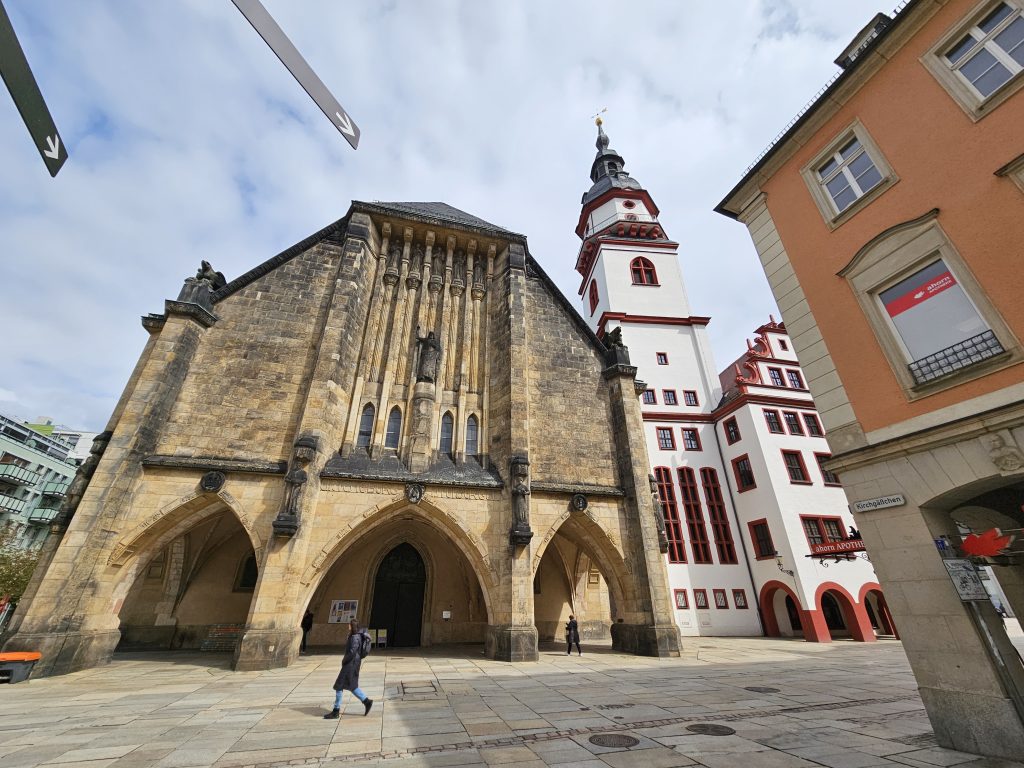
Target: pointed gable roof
(441,212)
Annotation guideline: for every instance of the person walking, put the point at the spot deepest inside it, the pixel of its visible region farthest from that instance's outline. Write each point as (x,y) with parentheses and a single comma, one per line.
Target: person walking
(356,649)
(572,635)
(307,624)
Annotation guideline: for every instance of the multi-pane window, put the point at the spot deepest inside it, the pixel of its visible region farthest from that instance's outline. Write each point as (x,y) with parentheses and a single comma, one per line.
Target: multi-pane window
(690,397)
(681,599)
(472,436)
(848,174)
(365,427)
(792,423)
(593,296)
(992,52)
(732,431)
(394,430)
(643,271)
(774,422)
(665,439)
(775,375)
(673,528)
(662,358)
(822,530)
(700,598)
(447,433)
(795,379)
(813,425)
(761,535)
(744,473)
(794,462)
(694,516)
(649,398)
(691,440)
(830,477)
(739,598)
(669,396)
(721,600)
(719,519)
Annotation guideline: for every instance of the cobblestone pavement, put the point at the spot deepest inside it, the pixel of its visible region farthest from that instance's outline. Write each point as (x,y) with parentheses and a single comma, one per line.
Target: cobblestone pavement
(769,704)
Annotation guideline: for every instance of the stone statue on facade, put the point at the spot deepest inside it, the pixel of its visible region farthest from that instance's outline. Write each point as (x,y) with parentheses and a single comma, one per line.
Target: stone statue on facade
(429,356)
(76,490)
(287,521)
(520,473)
(199,289)
(438,268)
(417,258)
(1006,457)
(659,515)
(618,352)
(478,272)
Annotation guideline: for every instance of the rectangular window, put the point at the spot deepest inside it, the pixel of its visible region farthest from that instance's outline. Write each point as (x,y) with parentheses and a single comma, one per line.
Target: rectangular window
(690,397)
(669,397)
(813,425)
(774,422)
(649,398)
(794,462)
(694,516)
(761,536)
(783,345)
(992,52)
(937,324)
(666,441)
(662,358)
(673,528)
(721,600)
(719,519)
(732,431)
(691,439)
(682,601)
(744,473)
(823,530)
(700,598)
(739,598)
(792,423)
(795,379)
(848,174)
(830,478)
(775,375)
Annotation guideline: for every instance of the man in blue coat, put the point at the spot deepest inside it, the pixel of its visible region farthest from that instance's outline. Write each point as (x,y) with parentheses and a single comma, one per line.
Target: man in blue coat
(358,645)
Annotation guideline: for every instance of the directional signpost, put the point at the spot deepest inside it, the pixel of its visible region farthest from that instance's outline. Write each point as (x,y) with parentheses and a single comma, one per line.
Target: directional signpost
(16,74)
(279,43)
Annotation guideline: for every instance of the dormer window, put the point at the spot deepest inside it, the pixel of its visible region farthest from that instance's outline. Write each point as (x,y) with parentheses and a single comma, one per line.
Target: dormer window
(643,271)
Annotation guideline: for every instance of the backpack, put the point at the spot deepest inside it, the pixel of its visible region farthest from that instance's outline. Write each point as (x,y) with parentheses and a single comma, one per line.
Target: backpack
(365,644)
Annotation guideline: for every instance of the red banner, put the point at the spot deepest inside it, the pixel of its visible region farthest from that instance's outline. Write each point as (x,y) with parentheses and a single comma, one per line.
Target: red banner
(920,293)
(837,547)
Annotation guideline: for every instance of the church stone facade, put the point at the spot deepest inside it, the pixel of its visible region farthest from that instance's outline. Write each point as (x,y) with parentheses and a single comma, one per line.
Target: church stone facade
(401,410)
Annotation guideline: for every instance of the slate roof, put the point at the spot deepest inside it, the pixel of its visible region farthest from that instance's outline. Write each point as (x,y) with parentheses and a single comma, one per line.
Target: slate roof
(441,212)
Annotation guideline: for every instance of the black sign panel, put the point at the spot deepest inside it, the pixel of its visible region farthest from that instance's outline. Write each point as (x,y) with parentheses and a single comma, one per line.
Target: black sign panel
(20,82)
(279,43)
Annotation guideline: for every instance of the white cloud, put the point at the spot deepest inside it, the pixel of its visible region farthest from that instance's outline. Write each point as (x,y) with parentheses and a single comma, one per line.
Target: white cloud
(190,141)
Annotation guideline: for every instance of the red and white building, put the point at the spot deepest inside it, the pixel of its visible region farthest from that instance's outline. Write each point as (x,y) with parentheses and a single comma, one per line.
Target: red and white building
(737,456)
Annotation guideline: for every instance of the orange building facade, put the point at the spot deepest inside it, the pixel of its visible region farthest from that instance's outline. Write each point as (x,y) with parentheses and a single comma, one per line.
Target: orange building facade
(889,219)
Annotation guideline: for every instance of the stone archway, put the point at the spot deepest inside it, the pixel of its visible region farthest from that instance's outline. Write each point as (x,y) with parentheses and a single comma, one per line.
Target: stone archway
(841,614)
(778,602)
(873,600)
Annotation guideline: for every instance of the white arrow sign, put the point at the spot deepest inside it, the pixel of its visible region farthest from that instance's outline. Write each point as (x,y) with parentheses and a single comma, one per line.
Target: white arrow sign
(53,142)
(346,124)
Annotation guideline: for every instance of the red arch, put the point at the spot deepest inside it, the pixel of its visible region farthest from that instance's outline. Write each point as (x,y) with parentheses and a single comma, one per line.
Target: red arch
(853,612)
(883,606)
(811,622)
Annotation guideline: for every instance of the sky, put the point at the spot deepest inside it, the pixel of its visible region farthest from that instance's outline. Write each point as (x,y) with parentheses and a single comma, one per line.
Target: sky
(189,140)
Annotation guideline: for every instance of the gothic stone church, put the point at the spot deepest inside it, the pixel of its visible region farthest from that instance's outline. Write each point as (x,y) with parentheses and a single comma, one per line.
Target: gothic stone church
(401,410)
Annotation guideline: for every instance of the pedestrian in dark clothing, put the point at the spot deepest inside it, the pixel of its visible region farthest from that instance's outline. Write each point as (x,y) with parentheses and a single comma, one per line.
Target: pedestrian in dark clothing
(572,635)
(356,648)
(307,624)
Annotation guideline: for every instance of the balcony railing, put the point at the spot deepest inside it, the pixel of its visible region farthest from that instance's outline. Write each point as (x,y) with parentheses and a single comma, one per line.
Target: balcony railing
(42,516)
(627,218)
(55,488)
(957,357)
(11,504)
(12,474)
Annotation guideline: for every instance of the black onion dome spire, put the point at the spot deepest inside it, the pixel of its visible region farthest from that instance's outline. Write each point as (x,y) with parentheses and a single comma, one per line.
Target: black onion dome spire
(607,172)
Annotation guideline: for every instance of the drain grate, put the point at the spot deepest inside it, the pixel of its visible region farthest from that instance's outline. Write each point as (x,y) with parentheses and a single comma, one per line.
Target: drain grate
(760,689)
(711,729)
(418,688)
(613,740)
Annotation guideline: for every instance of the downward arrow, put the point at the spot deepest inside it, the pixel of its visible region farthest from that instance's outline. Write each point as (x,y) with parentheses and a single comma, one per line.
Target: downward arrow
(346,124)
(54,147)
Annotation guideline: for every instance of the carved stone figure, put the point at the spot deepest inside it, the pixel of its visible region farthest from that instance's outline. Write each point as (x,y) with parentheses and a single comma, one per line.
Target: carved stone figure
(417,258)
(579,502)
(478,272)
(614,338)
(659,515)
(414,492)
(520,472)
(618,352)
(438,268)
(212,481)
(212,276)
(430,356)
(1006,457)
(76,490)
(287,521)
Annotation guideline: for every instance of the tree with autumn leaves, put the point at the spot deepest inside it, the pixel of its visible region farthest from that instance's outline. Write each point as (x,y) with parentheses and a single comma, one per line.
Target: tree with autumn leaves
(16,566)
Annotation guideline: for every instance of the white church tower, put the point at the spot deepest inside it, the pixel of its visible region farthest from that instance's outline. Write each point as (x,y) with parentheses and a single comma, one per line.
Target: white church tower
(632,281)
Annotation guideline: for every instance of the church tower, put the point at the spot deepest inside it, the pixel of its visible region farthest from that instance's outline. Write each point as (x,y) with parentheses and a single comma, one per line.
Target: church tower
(631,280)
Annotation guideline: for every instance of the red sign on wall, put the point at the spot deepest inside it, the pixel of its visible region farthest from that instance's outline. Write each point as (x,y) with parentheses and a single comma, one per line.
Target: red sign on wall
(837,547)
(920,293)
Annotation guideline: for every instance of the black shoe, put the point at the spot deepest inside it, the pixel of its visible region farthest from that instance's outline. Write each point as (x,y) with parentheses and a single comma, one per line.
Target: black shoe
(368,703)
(334,714)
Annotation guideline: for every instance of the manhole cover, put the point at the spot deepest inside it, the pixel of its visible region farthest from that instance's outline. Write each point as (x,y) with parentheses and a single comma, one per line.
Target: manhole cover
(710,729)
(613,740)
(760,689)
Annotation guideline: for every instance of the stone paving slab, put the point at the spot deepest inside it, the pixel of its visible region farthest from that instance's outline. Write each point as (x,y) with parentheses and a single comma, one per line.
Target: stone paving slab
(839,705)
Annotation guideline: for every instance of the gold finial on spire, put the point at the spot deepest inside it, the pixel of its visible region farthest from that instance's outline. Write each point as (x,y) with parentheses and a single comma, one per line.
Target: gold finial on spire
(597,118)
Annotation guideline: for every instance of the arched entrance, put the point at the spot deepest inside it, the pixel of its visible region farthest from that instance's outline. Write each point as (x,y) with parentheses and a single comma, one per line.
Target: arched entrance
(841,615)
(833,615)
(873,600)
(398,596)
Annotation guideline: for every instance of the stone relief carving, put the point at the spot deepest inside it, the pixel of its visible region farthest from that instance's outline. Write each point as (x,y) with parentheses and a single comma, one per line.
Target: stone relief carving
(75,491)
(430,356)
(659,515)
(1003,451)
(414,492)
(287,521)
(212,481)
(579,502)
(520,471)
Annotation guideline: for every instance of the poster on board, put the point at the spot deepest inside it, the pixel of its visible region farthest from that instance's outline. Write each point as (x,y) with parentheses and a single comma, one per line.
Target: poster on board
(343,611)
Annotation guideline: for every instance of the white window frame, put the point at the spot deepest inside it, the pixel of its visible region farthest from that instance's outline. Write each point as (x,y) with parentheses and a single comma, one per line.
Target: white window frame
(956,85)
(816,184)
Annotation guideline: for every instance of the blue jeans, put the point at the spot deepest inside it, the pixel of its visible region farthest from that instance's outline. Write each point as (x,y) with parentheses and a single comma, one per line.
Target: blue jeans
(358,693)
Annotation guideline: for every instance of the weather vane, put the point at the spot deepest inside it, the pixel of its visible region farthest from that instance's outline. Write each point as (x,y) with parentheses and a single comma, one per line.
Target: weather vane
(597,117)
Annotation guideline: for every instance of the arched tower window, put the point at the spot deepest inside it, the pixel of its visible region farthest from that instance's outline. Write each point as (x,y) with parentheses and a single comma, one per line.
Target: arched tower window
(593,296)
(447,430)
(472,436)
(365,427)
(394,431)
(643,271)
